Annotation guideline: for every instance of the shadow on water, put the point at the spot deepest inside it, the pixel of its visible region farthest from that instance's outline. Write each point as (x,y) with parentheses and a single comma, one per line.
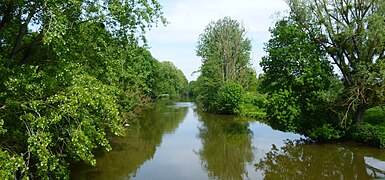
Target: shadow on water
(303,160)
(226,146)
(138,146)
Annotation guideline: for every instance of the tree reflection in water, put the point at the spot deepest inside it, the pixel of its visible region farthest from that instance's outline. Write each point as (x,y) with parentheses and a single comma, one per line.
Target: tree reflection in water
(226,146)
(138,146)
(302,160)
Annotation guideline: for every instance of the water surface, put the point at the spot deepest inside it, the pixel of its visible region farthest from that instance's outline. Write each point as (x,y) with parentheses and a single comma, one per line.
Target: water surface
(177,141)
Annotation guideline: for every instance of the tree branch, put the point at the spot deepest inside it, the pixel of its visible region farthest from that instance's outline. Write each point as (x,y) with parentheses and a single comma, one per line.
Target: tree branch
(23,29)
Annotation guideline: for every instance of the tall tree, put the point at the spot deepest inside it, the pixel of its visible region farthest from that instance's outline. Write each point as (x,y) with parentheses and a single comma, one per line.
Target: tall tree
(225,53)
(296,73)
(224,45)
(353,34)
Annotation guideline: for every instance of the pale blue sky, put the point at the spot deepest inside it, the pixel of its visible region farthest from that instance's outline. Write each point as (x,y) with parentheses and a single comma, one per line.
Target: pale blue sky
(187,19)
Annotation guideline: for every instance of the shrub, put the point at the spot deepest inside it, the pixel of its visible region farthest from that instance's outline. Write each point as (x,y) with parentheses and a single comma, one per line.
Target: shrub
(229,98)
(368,134)
(325,133)
(283,111)
(253,105)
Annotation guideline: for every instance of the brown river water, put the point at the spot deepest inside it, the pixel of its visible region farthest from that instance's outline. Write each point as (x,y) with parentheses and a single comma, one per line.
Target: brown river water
(178,141)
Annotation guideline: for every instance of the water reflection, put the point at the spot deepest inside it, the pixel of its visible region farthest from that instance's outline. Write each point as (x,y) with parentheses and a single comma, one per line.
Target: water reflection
(138,146)
(180,142)
(301,160)
(226,146)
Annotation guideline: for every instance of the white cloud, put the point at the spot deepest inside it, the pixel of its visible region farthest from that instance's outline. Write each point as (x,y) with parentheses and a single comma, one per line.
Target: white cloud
(188,18)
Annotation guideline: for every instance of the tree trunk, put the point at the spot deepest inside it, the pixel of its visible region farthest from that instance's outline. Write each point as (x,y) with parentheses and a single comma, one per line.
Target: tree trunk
(22,31)
(359,115)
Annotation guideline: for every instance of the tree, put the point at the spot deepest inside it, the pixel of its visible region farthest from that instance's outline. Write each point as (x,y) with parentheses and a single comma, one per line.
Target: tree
(224,45)
(71,73)
(225,53)
(170,80)
(353,34)
(297,73)
(192,89)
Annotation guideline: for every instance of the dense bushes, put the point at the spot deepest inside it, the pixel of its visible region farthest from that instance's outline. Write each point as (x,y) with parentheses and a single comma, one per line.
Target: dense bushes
(253,105)
(368,134)
(229,98)
(371,132)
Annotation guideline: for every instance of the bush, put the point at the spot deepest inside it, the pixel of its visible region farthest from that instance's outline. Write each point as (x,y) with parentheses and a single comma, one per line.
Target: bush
(253,105)
(368,134)
(325,133)
(229,98)
(283,111)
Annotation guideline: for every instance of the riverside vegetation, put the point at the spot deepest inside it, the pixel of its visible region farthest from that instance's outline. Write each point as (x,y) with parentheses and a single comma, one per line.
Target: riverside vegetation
(299,91)
(74,72)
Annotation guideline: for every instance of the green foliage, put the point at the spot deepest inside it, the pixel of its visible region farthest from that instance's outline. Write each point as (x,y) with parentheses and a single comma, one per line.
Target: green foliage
(10,164)
(170,81)
(375,116)
(207,90)
(283,111)
(225,53)
(223,45)
(229,98)
(193,89)
(253,105)
(297,78)
(353,35)
(75,77)
(58,119)
(368,134)
(325,133)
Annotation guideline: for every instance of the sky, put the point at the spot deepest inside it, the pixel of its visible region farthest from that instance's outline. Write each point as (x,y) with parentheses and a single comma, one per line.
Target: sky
(187,19)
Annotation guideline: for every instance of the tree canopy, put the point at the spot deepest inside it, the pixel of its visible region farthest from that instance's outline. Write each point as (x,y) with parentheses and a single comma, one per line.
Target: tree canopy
(170,81)
(224,44)
(297,75)
(353,34)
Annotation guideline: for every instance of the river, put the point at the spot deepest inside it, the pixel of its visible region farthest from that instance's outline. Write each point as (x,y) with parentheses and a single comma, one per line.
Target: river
(178,141)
